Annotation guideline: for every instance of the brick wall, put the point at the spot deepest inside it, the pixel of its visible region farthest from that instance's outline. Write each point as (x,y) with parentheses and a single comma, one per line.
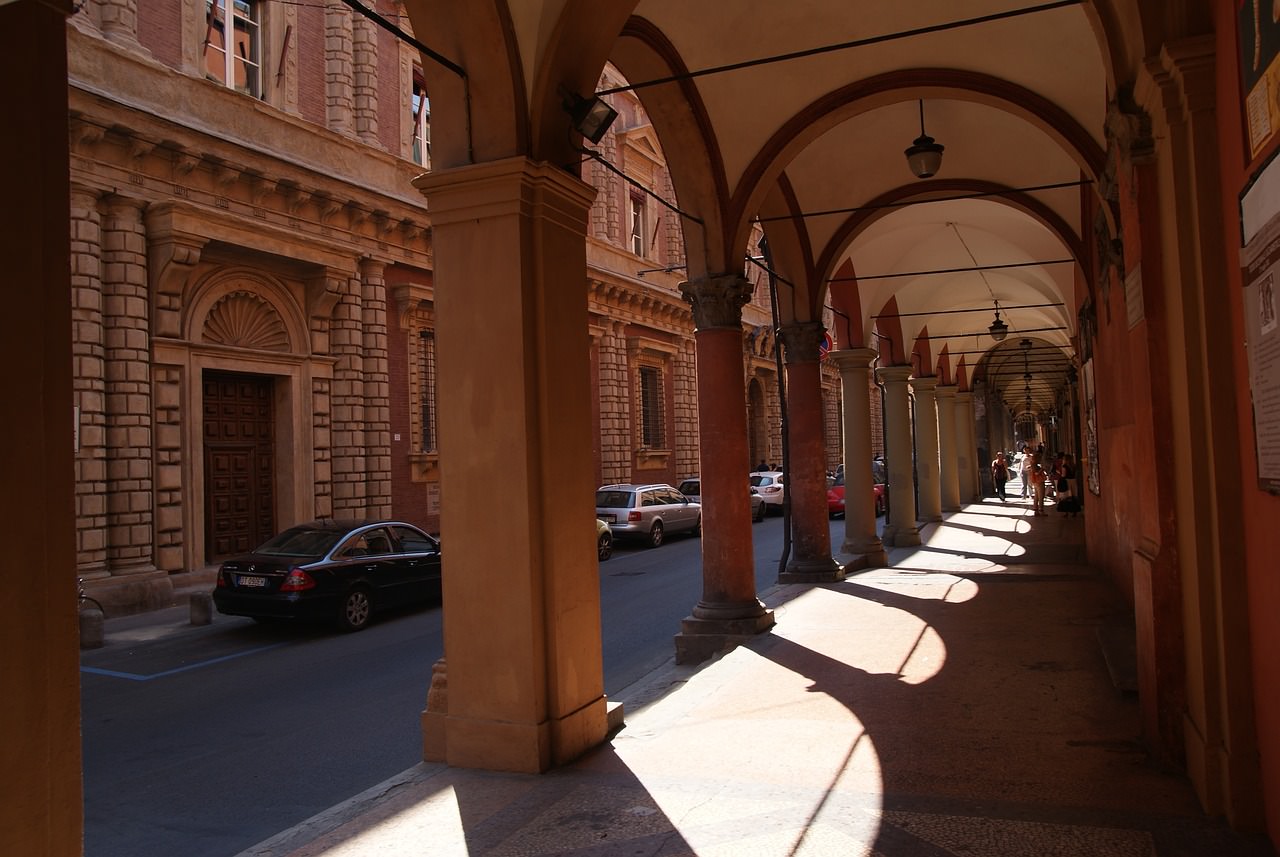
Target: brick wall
(160,31)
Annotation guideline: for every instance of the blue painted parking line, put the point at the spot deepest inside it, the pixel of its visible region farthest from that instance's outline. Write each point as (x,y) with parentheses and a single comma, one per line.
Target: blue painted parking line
(197,665)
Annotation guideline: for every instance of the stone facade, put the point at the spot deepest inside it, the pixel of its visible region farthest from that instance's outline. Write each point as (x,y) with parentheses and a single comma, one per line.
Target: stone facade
(254,303)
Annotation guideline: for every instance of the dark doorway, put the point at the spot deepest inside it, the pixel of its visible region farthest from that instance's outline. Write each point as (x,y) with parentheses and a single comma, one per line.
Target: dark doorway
(239,463)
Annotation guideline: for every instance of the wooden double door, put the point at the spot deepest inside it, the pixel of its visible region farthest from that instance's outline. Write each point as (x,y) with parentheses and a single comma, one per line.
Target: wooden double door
(239,462)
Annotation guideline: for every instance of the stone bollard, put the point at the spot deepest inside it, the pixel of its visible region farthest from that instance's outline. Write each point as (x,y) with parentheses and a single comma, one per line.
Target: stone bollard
(92,633)
(201,608)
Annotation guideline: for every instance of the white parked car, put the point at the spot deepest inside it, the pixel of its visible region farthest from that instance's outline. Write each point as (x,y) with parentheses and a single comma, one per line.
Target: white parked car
(692,488)
(770,485)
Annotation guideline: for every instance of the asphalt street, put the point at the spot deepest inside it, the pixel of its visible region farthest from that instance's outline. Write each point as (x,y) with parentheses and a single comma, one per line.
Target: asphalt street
(202,741)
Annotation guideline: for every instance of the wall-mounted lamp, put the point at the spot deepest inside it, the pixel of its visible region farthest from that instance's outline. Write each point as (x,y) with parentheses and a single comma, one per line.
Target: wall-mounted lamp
(998,329)
(924,156)
(591,116)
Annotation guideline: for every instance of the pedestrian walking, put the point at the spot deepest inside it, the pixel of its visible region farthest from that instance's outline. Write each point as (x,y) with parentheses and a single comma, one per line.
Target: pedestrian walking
(1000,474)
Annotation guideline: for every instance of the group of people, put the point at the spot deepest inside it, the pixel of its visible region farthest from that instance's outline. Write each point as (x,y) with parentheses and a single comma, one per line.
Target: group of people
(1040,478)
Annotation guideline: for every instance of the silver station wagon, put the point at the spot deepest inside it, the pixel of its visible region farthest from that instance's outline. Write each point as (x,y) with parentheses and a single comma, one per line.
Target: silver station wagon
(647,512)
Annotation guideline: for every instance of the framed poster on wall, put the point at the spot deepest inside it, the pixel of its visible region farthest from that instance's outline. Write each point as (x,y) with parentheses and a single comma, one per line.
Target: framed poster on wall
(1260,275)
(1258,31)
(1092,472)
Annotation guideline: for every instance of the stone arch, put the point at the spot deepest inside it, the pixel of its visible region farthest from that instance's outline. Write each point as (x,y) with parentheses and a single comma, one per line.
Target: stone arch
(243,308)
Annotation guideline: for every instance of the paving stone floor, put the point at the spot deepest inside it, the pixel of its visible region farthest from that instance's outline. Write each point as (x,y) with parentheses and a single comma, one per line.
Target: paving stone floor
(956,704)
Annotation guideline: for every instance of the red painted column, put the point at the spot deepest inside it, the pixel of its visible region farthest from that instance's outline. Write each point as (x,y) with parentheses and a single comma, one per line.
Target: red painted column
(729,610)
(806,478)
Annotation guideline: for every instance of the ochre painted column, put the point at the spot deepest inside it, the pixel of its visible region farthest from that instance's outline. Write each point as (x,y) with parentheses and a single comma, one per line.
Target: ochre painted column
(525,686)
(927,448)
(948,471)
(806,478)
(966,448)
(860,538)
(900,529)
(729,610)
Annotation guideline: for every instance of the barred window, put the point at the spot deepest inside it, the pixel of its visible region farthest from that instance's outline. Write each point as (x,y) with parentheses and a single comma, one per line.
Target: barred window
(427,388)
(652,418)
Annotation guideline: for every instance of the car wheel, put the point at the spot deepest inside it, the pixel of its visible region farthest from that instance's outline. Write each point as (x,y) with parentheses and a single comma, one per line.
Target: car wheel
(655,535)
(697,528)
(604,547)
(356,610)
(758,514)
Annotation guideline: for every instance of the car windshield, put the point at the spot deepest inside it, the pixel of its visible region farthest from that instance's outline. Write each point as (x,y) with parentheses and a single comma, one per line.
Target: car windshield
(688,487)
(613,499)
(839,480)
(301,541)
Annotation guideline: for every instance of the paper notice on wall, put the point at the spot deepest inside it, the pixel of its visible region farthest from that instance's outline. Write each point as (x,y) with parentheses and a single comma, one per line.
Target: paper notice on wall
(1261,275)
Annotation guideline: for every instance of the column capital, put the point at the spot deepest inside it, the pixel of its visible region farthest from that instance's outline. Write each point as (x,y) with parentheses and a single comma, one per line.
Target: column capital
(946,391)
(717,301)
(372,269)
(964,396)
(802,341)
(853,358)
(894,374)
(925,383)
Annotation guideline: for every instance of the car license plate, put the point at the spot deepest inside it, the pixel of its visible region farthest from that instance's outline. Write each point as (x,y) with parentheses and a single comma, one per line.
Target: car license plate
(251,582)
(609,519)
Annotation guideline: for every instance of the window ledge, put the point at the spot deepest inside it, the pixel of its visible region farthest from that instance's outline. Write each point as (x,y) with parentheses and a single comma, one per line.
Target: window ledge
(652,458)
(425,466)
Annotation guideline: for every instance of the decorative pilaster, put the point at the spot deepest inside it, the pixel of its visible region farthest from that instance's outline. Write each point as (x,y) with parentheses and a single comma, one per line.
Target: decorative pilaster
(860,538)
(365,80)
(339,98)
(615,409)
(927,448)
(89,366)
(118,20)
(729,611)
(685,409)
(377,390)
(947,450)
(900,528)
(129,452)
(806,479)
(348,397)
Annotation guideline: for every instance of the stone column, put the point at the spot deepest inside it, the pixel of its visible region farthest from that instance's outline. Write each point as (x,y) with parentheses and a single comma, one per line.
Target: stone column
(900,529)
(339,98)
(377,389)
(89,356)
(966,447)
(346,337)
(927,448)
(806,478)
(949,472)
(525,685)
(860,536)
(729,610)
(365,80)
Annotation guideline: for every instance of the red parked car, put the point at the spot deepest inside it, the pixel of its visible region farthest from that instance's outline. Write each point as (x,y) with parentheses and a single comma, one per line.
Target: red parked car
(835,496)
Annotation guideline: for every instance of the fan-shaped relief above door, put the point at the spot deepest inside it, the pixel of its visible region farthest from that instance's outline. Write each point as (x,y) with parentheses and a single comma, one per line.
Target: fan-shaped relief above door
(243,319)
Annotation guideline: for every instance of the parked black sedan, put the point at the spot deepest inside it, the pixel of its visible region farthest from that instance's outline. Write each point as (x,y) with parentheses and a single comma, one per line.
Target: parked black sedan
(339,570)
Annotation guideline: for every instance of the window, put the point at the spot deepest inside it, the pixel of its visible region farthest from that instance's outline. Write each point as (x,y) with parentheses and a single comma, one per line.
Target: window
(421,121)
(652,420)
(427,387)
(637,225)
(233,59)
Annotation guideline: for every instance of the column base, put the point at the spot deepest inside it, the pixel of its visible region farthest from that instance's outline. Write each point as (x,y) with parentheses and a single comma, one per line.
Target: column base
(490,745)
(861,557)
(135,590)
(701,638)
(821,570)
(903,537)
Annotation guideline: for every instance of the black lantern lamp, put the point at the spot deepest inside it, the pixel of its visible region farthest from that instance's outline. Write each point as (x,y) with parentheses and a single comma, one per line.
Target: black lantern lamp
(924,156)
(998,329)
(591,116)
